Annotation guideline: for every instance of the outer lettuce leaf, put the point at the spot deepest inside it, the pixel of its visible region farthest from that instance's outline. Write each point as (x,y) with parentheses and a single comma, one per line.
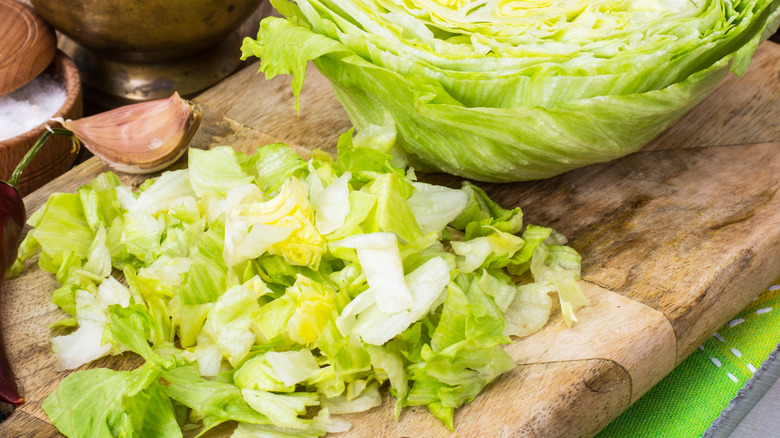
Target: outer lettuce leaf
(119,403)
(296,65)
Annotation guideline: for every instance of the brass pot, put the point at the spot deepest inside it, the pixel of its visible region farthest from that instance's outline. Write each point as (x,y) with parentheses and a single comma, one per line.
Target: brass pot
(148,30)
(135,50)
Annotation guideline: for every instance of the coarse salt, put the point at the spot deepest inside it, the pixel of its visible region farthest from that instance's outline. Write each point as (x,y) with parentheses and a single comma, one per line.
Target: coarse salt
(26,108)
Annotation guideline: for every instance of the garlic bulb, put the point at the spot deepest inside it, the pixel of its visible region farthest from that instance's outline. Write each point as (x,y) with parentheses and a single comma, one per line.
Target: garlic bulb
(139,138)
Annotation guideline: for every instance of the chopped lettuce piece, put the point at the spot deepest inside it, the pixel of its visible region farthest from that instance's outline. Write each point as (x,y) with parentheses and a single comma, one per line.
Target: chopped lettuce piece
(293,367)
(380,260)
(63,227)
(367,399)
(313,305)
(529,310)
(257,373)
(286,228)
(216,171)
(332,205)
(217,400)
(561,266)
(207,277)
(436,206)
(87,342)
(142,236)
(282,409)
(99,200)
(229,322)
(168,189)
(275,163)
(118,403)
(274,292)
(364,318)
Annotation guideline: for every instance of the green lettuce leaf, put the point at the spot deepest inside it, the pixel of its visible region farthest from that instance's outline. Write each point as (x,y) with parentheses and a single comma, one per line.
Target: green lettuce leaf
(119,403)
(160,193)
(464,354)
(275,163)
(99,200)
(61,228)
(216,170)
(496,91)
(218,400)
(282,409)
(207,278)
(275,292)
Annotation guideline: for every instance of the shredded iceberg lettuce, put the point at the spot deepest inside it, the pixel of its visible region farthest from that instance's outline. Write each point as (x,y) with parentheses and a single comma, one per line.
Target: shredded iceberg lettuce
(279,293)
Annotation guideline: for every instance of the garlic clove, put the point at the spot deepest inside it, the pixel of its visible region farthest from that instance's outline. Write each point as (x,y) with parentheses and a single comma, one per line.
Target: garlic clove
(139,138)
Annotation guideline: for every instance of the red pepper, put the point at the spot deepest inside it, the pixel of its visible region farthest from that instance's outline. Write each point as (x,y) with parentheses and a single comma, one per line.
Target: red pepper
(12,217)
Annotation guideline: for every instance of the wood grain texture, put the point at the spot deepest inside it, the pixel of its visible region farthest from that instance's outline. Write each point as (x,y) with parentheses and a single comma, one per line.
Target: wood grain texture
(736,105)
(519,403)
(28,45)
(675,240)
(672,229)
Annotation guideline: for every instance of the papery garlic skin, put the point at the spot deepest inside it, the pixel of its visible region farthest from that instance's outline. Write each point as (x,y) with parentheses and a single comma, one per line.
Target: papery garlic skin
(140,138)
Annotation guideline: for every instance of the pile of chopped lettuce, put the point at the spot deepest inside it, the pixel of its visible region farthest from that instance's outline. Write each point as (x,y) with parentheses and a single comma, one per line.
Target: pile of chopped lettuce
(279,293)
(508,90)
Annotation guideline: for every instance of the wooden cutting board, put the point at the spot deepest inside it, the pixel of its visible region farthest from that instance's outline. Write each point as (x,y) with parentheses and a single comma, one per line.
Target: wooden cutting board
(675,239)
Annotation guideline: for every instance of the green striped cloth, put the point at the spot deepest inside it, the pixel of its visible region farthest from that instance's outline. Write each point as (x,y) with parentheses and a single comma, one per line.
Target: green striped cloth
(686,402)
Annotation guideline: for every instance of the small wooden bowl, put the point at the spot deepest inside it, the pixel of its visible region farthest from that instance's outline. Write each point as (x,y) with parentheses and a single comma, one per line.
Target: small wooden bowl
(58,154)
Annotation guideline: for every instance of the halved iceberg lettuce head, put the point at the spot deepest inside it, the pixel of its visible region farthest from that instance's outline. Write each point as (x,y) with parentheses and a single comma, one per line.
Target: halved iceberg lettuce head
(509,90)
